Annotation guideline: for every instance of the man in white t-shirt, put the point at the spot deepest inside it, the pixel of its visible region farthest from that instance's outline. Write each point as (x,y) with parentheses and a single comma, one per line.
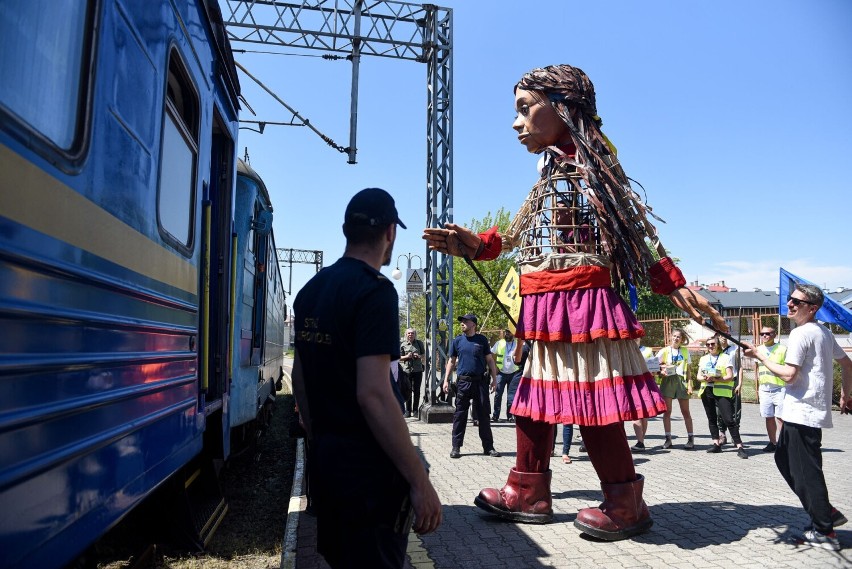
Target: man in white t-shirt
(806,410)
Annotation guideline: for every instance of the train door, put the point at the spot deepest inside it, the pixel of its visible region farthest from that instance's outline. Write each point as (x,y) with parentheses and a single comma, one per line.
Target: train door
(261,249)
(218,208)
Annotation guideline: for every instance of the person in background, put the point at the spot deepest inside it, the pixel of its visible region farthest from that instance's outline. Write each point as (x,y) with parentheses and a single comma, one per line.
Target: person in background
(474,370)
(640,426)
(770,387)
(567,434)
(522,352)
(733,353)
(503,351)
(367,480)
(808,374)
(397,388)
(411,360)
(674,365)
(717,394)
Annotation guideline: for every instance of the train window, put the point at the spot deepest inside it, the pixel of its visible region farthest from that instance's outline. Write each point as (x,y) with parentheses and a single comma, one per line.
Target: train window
(43,64)
(178,155)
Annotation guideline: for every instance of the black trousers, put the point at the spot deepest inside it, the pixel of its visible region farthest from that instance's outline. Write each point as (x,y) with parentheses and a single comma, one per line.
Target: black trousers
(472,393)
(412,397)
(799,460)
(737,414)
(364,514)
(725,407)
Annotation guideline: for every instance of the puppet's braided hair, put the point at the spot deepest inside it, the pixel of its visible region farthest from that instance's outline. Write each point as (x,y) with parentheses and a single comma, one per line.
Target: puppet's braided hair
(619,211)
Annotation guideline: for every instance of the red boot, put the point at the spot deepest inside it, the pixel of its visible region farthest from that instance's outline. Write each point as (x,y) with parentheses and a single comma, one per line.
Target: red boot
(525,498)
(622,514)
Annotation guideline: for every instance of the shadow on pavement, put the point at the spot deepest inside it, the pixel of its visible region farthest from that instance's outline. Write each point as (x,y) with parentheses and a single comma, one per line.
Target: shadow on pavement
(449,547)
(693,525)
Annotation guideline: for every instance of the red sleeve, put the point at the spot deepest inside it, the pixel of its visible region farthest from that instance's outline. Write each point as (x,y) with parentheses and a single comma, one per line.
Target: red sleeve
(491,245)
(665,276)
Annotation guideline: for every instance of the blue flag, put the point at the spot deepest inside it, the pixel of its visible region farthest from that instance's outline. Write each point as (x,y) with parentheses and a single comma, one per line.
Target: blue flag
(831,312)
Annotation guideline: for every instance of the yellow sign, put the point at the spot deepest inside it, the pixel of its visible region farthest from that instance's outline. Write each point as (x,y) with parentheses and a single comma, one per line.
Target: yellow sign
(510,295)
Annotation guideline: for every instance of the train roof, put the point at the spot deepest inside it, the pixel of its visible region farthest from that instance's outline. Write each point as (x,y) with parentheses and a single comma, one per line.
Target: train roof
(223,46)
(246,170)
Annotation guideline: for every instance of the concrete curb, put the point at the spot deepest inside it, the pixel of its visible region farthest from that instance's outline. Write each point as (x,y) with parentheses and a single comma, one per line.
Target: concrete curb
(295,508)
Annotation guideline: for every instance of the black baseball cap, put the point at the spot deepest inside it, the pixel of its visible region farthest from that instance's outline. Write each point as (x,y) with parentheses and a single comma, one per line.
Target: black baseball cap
(469,316)
(374,207)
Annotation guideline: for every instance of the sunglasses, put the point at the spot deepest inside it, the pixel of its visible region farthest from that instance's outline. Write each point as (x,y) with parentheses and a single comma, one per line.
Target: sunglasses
(712,345)
(798,301)
(766,333)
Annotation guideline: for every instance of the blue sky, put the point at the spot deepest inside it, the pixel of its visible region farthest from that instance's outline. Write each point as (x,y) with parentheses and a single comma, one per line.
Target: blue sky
(735,116)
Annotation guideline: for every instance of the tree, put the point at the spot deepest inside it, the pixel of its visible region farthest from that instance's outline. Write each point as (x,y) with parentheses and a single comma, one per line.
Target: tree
(651,303)
(417,314)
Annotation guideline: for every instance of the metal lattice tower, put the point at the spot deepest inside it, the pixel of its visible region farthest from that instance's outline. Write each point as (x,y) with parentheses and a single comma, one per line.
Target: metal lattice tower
(307,256)
(399,30)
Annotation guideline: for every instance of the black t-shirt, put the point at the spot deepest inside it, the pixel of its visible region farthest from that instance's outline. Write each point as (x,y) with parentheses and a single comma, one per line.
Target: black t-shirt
(348,310)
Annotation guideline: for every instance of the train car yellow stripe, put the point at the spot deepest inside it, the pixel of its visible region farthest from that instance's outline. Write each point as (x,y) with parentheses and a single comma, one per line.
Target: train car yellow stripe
(34,198)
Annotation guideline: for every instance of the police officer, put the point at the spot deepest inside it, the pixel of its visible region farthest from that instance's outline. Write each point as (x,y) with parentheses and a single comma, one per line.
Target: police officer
(475,368)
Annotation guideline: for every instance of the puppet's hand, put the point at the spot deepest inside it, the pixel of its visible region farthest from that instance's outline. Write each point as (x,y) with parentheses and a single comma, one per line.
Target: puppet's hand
(694,304)
(453,239)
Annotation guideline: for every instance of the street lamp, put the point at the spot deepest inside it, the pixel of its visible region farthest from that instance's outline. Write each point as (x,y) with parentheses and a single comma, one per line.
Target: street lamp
(397,274)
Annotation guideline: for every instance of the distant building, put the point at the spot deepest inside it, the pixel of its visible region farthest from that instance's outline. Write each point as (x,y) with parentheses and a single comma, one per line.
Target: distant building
(842,295)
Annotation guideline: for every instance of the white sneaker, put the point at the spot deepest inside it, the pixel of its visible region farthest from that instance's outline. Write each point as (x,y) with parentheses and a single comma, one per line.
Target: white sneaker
(815,539)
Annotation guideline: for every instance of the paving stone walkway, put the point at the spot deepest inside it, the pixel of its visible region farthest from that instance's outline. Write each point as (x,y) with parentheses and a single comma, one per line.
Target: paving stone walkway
(709,510)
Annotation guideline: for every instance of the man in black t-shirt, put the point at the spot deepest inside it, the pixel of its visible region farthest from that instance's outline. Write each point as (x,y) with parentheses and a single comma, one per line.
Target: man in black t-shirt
(476,366)
(367,480)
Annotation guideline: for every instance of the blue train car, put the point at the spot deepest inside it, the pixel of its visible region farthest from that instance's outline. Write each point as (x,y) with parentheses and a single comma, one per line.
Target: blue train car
(118,312)
(258,336)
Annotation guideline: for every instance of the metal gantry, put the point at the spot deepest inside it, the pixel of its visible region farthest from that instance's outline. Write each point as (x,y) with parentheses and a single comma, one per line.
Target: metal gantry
(398,30)
(289,256)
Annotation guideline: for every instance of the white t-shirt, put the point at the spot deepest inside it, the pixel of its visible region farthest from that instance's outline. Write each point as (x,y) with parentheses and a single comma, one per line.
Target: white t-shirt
(731,352)
(508,363)
(807,401)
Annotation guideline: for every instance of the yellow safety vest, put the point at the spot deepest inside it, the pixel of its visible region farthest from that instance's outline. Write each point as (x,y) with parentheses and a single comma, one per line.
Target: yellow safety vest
(709,366)
(665,356)
(500,353)
(777,354)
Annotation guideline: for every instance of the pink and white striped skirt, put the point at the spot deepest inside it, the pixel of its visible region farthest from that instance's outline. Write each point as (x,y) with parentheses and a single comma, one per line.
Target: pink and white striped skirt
(585,366)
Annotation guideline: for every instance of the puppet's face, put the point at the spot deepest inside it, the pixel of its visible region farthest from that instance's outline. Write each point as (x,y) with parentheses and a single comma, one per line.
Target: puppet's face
(537,124)
(561,215)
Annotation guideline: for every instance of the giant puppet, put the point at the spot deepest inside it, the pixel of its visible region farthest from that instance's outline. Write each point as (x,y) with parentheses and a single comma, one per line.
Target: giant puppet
(581,234)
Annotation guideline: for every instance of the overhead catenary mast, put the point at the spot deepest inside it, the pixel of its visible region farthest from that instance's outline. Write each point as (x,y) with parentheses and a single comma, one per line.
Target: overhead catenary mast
(400,30)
